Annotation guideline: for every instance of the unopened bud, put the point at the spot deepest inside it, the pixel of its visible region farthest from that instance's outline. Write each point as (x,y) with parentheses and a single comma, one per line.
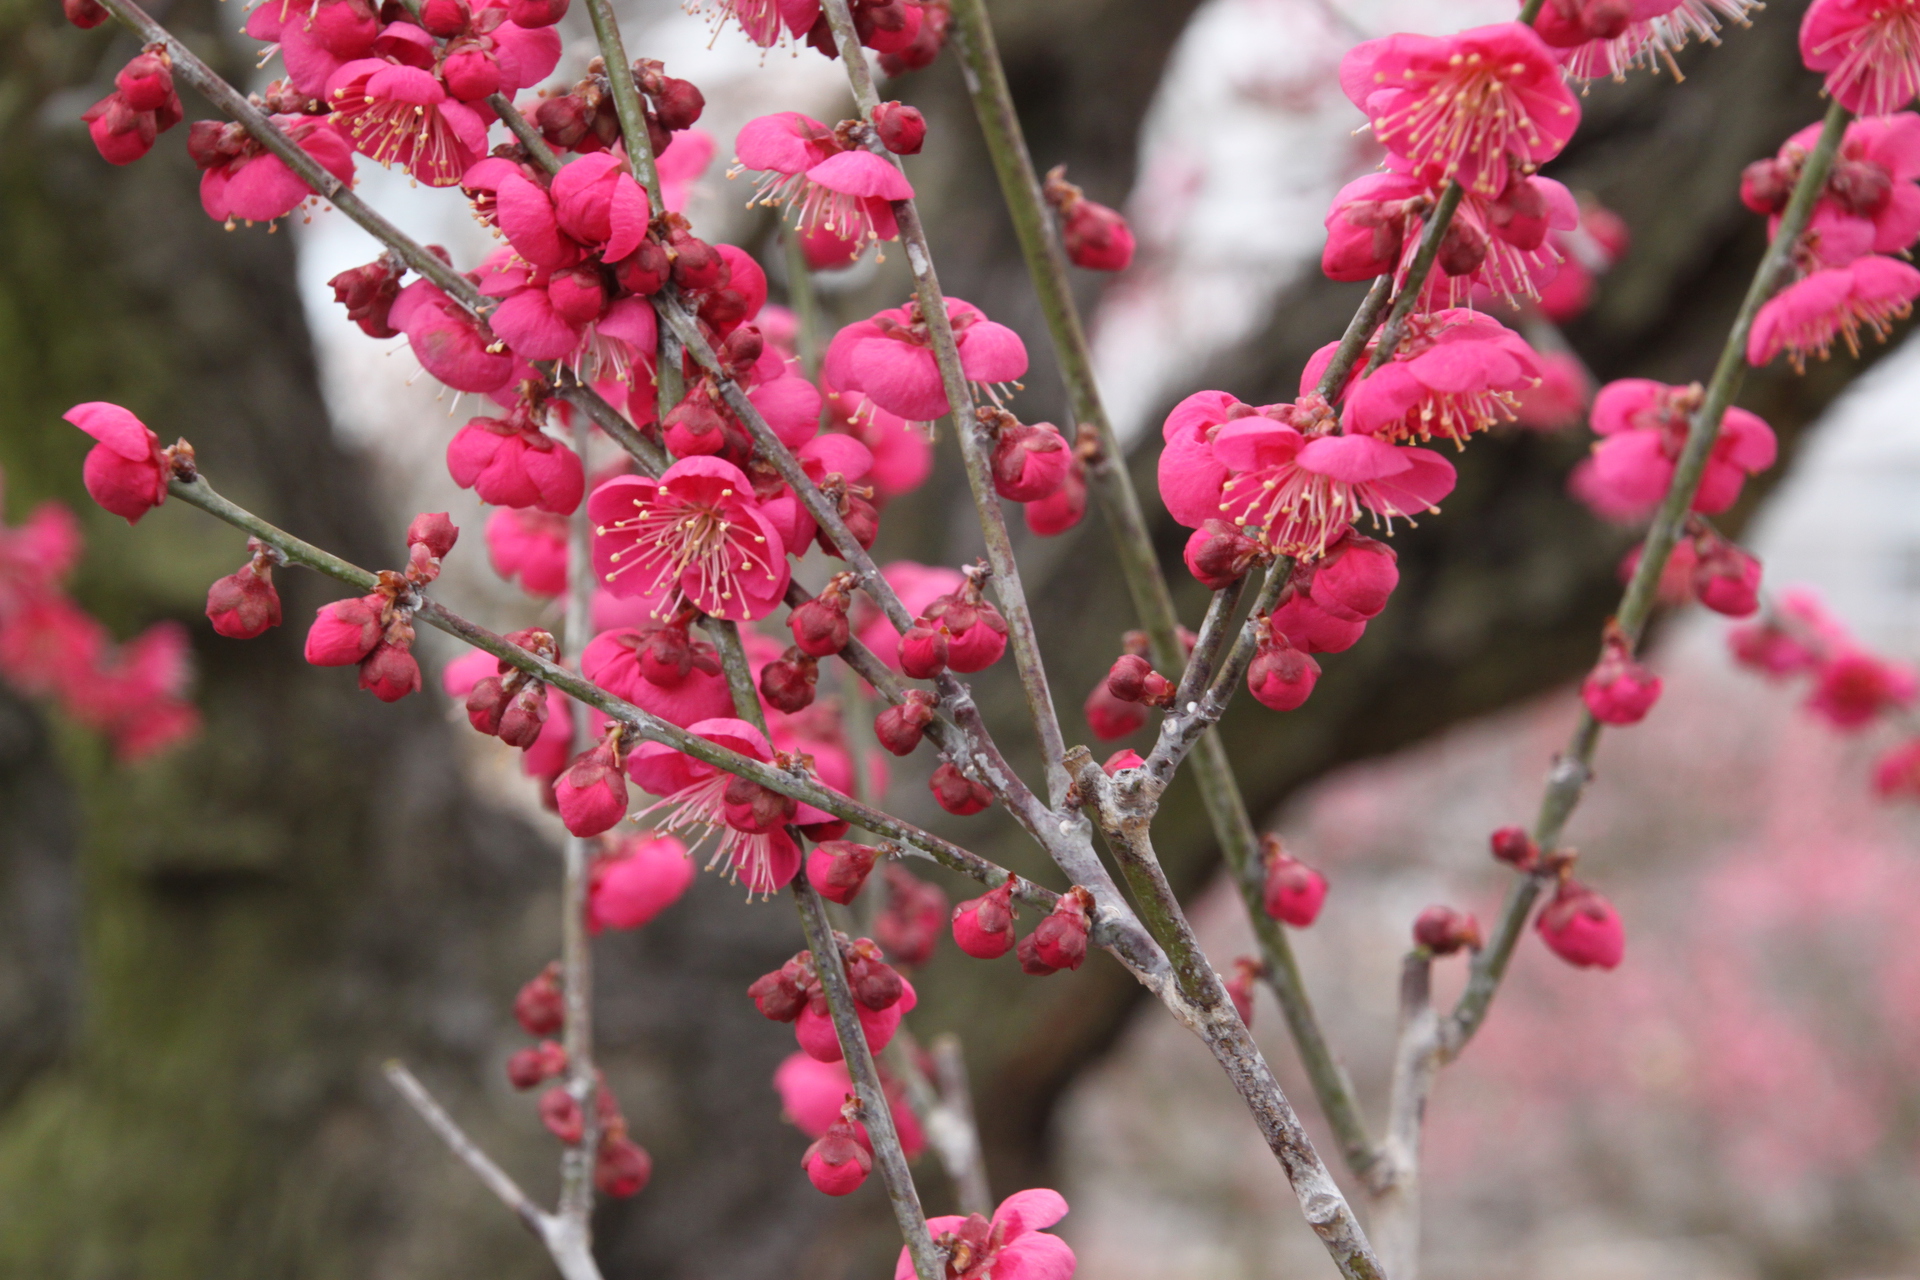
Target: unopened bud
(789,681)
(1443,931)
(1060,940)
(839,869)
(902,129)
(900,728)
(1294,891)
(540,1007)
(536,1064)
(957,793)
(915,915)
(562,1115)
(1513,846)
(983,926)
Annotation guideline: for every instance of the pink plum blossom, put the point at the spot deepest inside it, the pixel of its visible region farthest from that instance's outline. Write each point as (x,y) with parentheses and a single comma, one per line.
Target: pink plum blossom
(1013,1246)
(1643,426)
(242,179)
(845,191)
(696,534)
(126,471)
(530,546)
(1869,50)
(449,343)
(641,877)
(1455,373)
(401,115)
(1807,316)
(1464,107)
(890,358)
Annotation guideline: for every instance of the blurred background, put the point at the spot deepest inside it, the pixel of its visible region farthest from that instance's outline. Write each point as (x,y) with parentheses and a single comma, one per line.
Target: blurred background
(205,955)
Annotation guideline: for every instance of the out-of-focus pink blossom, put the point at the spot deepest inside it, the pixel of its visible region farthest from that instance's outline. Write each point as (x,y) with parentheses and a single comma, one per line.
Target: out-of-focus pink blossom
(530,546)
(1294,891)
(1869,50)
(1012,1246)
(1806,317)
(1852,686)
(637,880)
(1644,425)
(1619,690)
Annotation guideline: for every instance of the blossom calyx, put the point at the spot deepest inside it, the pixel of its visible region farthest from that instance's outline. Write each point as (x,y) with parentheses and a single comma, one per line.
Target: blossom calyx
(983,926)
(1294,891)
(900,728)
(1443,931)
(1246,971)
(1060,940)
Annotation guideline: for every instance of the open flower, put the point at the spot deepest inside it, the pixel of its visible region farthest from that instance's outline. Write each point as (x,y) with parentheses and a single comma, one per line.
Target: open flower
(242,179)
(1807,316)
(889,358)
(1644,425)
(694,802)
(1467,107)
(1012,1246)
(696,535)
(1456,372)
(401,115)
(829,186)
(1869,50)
(510,462)
(126,471)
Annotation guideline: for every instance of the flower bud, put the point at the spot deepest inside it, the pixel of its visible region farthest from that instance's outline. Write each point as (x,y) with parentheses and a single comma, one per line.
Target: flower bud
(540,1007)
(820,625)
(975,633)
(85,14)
(565,122)
(1619,690)
(645,270)
(1219,555)
(1354,581)
(1110,717)
(244,604)
(782,994)
(1280,676)
(915,915)
(146,82)
(839,869)
(900,728)
(622,1167)
(435,532)
(983,926)
(390,671)
(1294,891)
(957,793)
(902,129)
(923,649)
(578,294)
(1029,462)
(838,1161)
(1896,774)
(562,1115)
(1727,580)
(445,18)
(367,292)
(874,983)
(487,703)
(678,103)
(592,793)
(536,1064)
(1062,509)
(787,683)
(1060,940)
(1443,931)
(1767,185)
(1513,846)
(1246,970)
(695,426)
(697,265)
(522,719)
(1096,237)
(1582,928)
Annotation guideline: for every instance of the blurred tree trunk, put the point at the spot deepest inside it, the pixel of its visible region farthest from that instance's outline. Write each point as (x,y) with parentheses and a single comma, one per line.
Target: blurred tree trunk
(204,959)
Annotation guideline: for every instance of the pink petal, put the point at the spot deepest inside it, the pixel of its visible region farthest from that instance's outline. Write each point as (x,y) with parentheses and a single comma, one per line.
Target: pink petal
(529,324)
(114,427)
(791,406)
(899,377)
(785,142)
(991,352)
(861,173)
(1353,459)
(1255,443)
(1025,1211)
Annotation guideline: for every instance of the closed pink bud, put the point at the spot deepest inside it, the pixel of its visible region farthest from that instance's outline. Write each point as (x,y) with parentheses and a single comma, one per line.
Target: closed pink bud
(695,425)
(1462,249)
(367,292)
(923,649)
(622,1167)
(1767,185)
(1280,676)
(435,532)
(562,1115)
(1030,462)
(1127,678)
(470,73)
(146,82)
(1060,940)
(641,878)
(820,625)
(536,1064)
(536,13)
(1619,690)
(592,793)
(875,984)
(1513,846)
(540,1008)
(697,265)
(445,18)
(983,926)
(1353,583)
(487,703)
(645,270)
(1582,928)
(678,103)
(902,129)
(1246,971)
(125,471)
(788,682)
(1110,717)
(838,1161)
(390,671)
(1727,580)
(344,632)
(975,633)
(900,728)
(579,295)
(85,14)
(1062,509)
(957,793)
(839,869)
(1219,555)
(244,604)
(1294,891)
(1443,931)
(914,918)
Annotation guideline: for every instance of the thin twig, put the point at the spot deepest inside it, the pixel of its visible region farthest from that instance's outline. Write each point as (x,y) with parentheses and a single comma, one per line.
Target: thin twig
(956,1096)
(576,956)
(1396,1205)
(626,101)
(1125,816)
(949,1125)
(875,1111)
(491,1175)
(1192,717)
